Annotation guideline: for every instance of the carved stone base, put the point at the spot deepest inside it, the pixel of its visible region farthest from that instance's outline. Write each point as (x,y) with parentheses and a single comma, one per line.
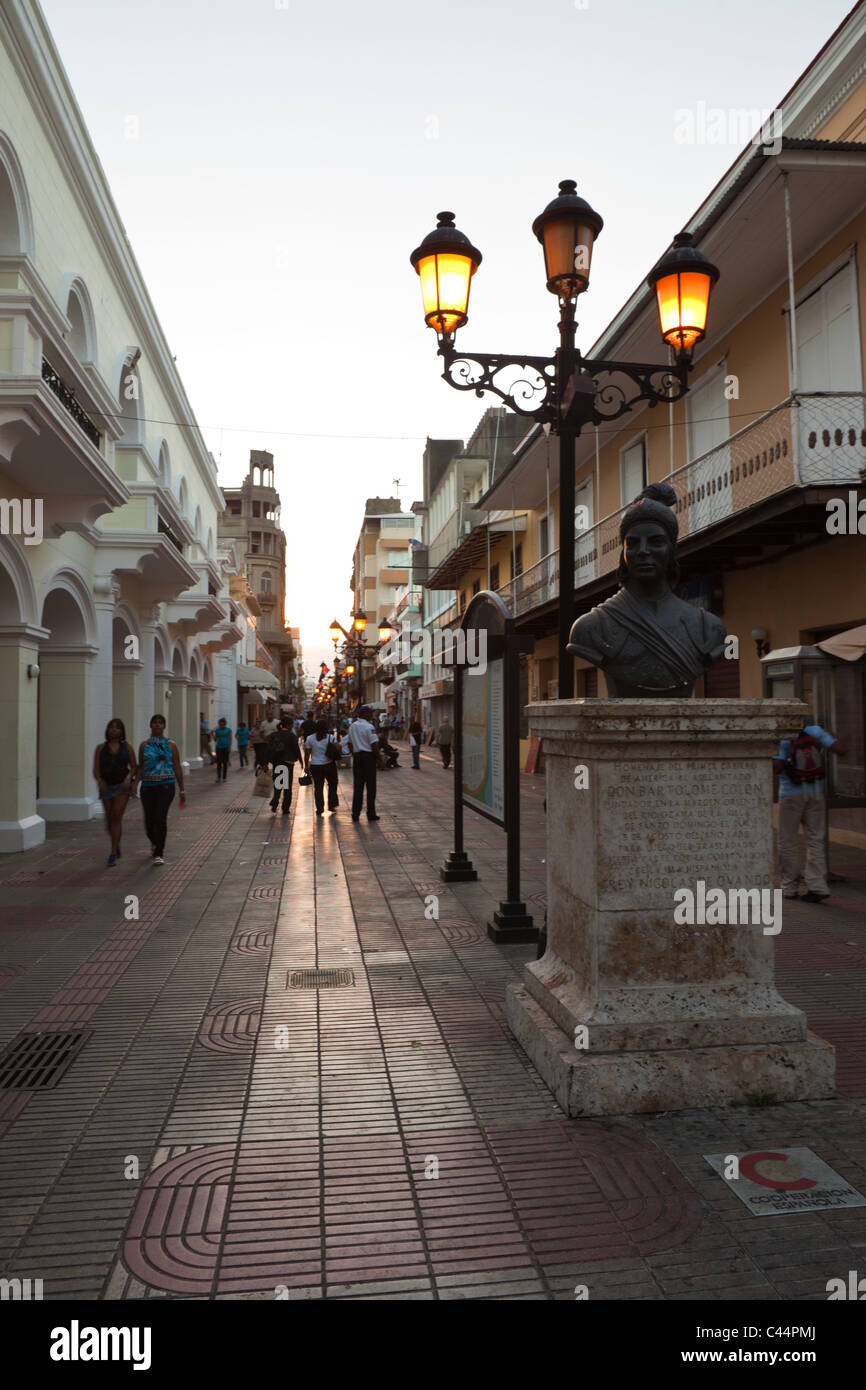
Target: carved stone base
(633,1083)
(630,1009)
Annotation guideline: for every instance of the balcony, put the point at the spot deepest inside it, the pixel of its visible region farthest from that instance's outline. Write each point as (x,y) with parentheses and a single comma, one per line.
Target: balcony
(69,403)
(816,440)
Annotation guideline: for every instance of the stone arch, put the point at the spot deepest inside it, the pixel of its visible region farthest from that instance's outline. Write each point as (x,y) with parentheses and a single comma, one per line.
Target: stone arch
(195,665)
(161,650)
(16,219)
(164,464)
(65,699)
(179,661)
(67,610)
(76,302)
(130,397)
(17,591)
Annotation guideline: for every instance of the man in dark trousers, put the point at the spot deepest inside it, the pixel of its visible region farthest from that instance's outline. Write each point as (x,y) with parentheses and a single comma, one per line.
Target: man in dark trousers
(365,746)
(284,752)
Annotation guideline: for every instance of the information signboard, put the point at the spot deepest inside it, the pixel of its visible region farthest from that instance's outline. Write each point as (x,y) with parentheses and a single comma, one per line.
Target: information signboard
(483,729)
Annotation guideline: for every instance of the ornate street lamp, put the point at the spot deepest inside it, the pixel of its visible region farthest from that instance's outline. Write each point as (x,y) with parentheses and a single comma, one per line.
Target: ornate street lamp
(566,391)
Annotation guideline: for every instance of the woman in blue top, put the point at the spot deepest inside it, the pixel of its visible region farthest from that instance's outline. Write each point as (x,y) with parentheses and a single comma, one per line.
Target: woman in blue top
(159,768)
(114,768)
(243,737)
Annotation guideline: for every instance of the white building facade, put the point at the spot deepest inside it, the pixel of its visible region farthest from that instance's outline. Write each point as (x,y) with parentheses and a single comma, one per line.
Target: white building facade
(114,604)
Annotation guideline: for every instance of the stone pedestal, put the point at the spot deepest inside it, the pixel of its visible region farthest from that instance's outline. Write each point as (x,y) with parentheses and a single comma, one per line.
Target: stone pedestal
(644,798)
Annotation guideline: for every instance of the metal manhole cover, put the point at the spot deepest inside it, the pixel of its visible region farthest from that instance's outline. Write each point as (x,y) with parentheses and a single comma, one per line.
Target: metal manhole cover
(258,894)
(36,1061)
(320,979)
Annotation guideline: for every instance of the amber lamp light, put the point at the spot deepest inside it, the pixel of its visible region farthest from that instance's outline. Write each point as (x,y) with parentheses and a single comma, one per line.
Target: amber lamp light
(682,281)
(384,632)
(335,631)
(567,230)
(360,621)
(446,260)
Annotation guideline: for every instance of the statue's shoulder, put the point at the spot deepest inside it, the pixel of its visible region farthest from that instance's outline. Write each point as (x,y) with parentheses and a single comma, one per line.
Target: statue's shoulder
(595,635)
(707,631)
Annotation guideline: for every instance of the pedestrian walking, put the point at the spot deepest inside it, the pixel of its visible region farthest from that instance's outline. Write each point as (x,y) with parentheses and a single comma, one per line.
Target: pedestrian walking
(802,783)
(159,770)
(204,738)
(284,751)
(445,738)
(365,745)
(114,768)
(416,733)
(223,741)
(323,767)
(260,746)
(270,725)
(242,738)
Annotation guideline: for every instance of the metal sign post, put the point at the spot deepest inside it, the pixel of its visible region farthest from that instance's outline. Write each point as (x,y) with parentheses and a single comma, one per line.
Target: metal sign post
(487,754)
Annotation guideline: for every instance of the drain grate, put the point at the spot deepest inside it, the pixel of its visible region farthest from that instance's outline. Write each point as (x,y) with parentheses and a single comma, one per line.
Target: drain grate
(235,810)
(320,979)
(36,1061)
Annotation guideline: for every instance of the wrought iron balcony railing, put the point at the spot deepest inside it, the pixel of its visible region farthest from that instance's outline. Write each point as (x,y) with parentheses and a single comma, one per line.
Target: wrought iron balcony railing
(68,401)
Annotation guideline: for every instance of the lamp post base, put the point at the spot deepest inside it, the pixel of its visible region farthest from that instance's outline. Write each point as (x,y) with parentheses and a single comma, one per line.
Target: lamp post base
(512,923)
(458,869)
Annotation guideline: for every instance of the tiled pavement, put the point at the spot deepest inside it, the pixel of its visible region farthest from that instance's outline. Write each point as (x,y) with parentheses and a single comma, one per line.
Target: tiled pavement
(224,1134)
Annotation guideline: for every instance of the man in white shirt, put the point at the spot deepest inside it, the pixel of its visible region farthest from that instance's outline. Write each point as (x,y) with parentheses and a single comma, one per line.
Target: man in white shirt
(269,726)
(365,743)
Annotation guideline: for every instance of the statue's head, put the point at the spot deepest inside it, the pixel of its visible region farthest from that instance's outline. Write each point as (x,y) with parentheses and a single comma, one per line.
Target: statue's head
(648,531)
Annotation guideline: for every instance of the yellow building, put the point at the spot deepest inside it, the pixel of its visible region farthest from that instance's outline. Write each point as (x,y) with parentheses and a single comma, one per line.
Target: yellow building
(769,442)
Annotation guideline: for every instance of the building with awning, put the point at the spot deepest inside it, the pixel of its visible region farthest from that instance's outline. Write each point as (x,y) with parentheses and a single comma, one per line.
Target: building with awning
(258,679)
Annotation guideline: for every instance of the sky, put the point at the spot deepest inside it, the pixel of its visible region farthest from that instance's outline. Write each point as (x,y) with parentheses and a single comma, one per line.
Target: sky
(275,162)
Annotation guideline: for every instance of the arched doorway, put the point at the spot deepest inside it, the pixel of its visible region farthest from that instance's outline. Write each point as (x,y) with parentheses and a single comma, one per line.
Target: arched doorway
(176,714)
(65,786)
(20,825)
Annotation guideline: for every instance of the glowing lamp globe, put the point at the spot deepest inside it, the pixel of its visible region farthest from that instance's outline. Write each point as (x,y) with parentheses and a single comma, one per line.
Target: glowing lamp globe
(682,281)
(445,261)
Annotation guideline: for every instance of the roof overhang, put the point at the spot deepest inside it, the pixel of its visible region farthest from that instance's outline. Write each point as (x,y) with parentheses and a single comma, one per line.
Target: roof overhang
(472,551)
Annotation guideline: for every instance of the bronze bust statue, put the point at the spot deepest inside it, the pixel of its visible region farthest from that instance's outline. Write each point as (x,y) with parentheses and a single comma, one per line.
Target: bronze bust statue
(649,643)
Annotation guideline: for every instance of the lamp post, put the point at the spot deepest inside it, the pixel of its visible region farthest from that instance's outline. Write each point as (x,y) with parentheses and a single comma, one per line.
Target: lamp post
(357,648)
(566,391)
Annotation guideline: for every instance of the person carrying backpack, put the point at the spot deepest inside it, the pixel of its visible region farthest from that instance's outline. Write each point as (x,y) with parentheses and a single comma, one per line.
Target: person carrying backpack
(802,797)
(284,751)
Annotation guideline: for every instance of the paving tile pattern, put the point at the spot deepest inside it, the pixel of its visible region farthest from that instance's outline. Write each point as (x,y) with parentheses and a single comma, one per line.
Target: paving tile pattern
(226,1136)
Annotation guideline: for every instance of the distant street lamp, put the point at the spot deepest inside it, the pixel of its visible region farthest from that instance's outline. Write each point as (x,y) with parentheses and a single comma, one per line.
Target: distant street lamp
(564,391)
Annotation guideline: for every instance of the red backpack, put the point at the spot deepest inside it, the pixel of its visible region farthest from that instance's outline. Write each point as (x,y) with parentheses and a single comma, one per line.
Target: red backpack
(805,760)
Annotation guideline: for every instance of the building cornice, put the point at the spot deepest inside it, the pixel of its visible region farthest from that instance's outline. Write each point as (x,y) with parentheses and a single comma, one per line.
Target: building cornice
(36,59)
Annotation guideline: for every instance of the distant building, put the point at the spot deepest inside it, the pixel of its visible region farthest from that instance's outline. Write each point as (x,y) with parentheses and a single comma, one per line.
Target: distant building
(252,516)
(380,570)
